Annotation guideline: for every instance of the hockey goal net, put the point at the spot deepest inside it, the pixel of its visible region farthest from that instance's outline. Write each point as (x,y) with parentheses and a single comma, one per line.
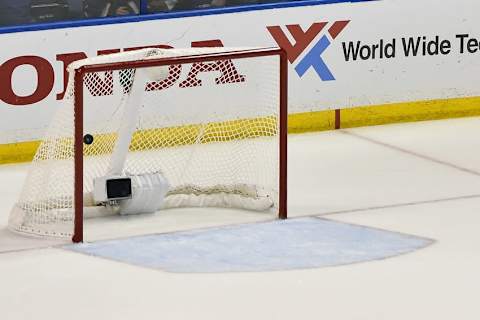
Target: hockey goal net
(210,122)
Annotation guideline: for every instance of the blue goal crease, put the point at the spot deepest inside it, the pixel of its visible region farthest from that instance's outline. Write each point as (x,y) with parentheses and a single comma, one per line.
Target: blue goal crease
(302,243)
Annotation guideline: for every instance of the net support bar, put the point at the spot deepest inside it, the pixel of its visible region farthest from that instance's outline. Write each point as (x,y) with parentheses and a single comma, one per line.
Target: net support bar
(78,154)
(282,207)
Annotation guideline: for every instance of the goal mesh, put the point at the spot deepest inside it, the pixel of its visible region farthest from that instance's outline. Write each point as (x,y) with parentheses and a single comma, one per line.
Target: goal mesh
(210,128)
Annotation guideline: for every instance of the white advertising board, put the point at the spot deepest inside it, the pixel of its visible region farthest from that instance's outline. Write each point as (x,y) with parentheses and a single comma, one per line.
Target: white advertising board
(342,55)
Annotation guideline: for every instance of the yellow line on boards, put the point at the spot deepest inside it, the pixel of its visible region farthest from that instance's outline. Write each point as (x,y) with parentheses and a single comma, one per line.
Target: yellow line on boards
(321,121)
(18,152)
(410,112)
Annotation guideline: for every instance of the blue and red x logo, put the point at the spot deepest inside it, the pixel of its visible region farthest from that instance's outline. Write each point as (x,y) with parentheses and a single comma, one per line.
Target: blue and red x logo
(313,58)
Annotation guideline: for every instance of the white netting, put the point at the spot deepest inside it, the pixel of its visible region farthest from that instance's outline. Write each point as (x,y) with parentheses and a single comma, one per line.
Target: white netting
(211,129)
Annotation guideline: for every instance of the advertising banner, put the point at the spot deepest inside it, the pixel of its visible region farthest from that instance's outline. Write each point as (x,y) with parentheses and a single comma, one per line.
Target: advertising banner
(341,55)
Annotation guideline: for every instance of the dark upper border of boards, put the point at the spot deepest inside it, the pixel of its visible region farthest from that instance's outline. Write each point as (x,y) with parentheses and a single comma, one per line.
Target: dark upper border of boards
(170,15)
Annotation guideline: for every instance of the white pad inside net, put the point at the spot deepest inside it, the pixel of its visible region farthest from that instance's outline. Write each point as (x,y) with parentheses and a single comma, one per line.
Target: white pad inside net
(210,128)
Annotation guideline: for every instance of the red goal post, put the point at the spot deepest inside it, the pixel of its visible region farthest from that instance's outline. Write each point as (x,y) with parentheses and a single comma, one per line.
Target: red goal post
(130,138)
(201,58)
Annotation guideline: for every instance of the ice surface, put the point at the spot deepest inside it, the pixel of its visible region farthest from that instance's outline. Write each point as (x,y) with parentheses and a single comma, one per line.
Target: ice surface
(339,175)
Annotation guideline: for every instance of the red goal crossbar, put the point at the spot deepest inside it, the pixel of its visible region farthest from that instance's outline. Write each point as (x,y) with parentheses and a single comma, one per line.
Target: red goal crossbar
(78,116)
